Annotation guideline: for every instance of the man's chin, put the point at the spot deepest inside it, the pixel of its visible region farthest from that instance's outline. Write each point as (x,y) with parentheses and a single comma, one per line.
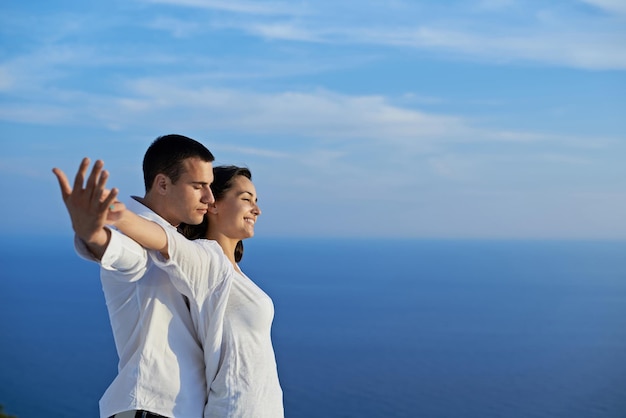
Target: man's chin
(195,220)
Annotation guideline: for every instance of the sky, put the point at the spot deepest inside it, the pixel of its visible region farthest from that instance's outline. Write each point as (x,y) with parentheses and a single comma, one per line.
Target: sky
(490,119)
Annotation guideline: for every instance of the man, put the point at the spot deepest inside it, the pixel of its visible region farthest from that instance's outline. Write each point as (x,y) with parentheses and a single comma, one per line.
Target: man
(161,366)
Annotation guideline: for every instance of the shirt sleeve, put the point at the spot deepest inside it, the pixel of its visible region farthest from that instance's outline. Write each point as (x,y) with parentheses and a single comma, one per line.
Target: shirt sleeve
(123,259)
(195,267)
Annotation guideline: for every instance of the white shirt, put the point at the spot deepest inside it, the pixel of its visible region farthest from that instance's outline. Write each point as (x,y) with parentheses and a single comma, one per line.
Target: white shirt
(234,318)
(161,365)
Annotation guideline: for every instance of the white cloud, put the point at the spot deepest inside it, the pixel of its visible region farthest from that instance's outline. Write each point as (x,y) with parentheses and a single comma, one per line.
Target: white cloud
(37,114)
(252,151)
(317,114)
(302,92)
(613,6)
(545,36)
(568,48)
(565,159)
(179,28)
(236,6)
(454,167)
(496,4)
(287,31)
(7,80)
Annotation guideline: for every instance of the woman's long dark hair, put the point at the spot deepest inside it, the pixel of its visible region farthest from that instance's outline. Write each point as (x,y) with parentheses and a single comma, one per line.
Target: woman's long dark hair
(222,182)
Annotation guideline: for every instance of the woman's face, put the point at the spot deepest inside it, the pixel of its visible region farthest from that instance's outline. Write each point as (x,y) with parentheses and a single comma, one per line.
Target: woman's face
(236,213)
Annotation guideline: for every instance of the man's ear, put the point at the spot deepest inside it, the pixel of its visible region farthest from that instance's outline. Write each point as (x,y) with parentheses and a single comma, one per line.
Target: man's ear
(161,183)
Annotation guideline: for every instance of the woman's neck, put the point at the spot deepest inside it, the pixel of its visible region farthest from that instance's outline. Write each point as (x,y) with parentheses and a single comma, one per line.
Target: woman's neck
(228,246)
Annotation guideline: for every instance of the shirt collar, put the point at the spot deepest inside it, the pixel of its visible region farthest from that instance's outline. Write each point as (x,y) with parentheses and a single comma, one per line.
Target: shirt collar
(142,210)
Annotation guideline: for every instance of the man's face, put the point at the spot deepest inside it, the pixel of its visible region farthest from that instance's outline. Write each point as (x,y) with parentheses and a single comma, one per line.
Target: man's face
(187,200)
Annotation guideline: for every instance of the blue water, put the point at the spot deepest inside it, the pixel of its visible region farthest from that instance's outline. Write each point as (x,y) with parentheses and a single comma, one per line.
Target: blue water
(363,328)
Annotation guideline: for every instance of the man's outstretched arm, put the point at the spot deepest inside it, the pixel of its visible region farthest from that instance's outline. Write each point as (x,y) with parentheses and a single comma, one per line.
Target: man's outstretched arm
(88,204)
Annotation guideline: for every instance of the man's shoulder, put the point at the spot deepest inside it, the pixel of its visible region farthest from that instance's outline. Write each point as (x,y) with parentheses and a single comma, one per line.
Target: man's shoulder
(136,205)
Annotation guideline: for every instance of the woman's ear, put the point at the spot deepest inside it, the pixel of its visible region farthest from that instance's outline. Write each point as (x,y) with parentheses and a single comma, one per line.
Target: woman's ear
(213,208)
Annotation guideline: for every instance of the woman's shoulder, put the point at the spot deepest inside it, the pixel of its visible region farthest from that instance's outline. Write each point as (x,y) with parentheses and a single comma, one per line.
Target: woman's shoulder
(214,249)
(209,244)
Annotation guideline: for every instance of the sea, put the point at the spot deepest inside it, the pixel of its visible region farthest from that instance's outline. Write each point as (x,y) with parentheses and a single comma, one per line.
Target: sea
(363,328)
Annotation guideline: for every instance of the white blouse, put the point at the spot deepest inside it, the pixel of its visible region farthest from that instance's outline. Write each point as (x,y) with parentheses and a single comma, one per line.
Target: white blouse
(233,318)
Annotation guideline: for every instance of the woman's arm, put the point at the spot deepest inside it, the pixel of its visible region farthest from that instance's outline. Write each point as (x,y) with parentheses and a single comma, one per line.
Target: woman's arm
(194,267)
(148,234)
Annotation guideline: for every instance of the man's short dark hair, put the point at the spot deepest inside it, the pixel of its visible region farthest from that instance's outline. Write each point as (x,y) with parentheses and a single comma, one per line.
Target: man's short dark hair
(166,155)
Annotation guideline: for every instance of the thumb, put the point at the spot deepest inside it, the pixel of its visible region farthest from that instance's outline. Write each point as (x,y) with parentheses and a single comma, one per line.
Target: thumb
(64,184)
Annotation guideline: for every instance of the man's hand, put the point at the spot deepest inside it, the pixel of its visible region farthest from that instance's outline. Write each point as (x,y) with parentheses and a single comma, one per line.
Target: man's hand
(89,206)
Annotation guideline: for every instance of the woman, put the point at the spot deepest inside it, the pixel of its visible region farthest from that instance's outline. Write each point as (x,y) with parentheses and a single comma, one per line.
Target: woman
(231,314)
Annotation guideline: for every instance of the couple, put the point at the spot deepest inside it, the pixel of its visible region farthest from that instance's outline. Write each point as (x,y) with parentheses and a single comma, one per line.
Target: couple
(191,330)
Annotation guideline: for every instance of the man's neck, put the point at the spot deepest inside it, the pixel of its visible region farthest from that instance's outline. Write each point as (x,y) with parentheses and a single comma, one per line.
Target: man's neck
(155,204)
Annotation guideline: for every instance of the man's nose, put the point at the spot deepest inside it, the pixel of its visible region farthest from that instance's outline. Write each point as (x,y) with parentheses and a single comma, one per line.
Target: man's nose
(208,197)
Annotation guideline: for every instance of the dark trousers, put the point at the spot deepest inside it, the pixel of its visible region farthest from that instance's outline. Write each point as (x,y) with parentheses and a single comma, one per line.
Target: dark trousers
(145,414)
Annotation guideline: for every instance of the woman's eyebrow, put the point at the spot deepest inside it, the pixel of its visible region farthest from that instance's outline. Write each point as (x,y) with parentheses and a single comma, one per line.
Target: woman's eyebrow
(250,193)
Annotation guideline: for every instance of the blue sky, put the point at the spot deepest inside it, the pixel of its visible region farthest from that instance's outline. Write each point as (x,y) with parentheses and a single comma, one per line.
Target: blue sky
(457,119)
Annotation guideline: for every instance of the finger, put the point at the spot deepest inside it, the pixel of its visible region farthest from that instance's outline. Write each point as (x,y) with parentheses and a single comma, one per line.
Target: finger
(64,184)
(100,191)
(105,193)
(116,207)
(109,201)
(80,174)
(94,177)
(115,213)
